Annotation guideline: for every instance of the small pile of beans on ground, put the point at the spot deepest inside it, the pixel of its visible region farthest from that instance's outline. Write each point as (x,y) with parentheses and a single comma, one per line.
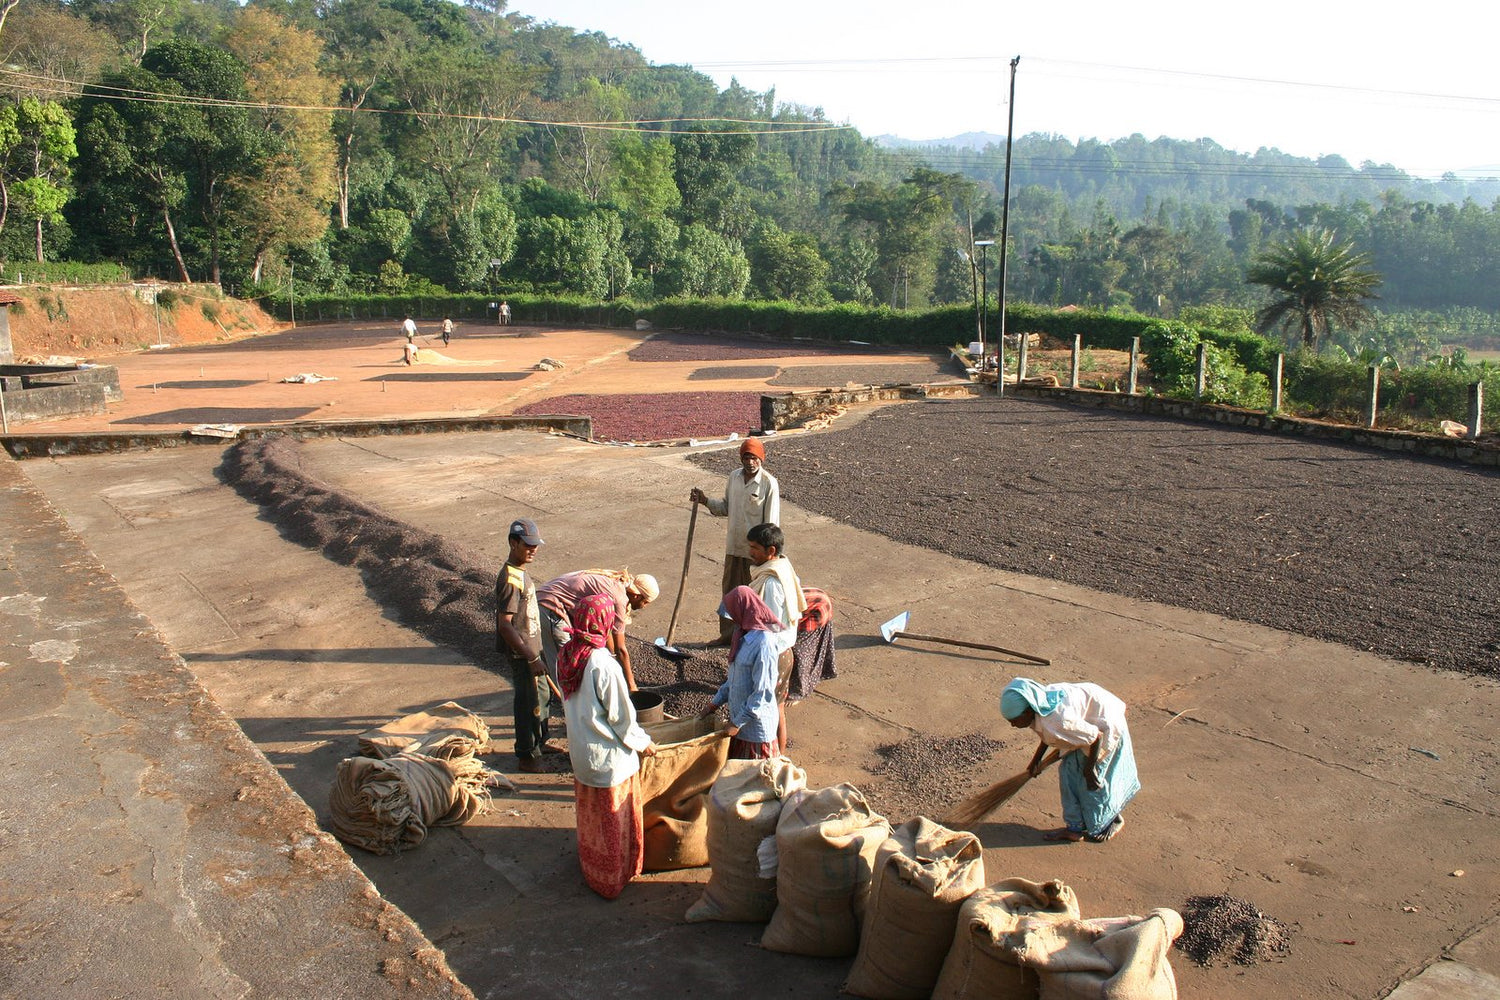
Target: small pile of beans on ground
(1220,926)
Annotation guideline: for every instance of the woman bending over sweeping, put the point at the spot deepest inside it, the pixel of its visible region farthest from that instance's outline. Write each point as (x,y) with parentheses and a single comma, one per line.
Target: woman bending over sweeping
(1098,776)
(750,690)
(603,741)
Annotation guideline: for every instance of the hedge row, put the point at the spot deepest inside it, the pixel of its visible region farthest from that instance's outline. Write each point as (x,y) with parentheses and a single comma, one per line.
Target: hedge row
(1318,385)
(936,328)
(473,307)
(1313,384)
(62,272)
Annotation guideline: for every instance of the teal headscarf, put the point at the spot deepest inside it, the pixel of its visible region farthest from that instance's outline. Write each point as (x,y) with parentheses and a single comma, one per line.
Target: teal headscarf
(1023,693)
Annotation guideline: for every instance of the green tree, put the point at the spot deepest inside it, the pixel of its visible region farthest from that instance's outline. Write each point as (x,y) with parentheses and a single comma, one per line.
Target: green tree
(706,265)
(584,256)
(785,265)
(1317,284)
(131,177)
(218,144)
(643,184)
(286,202)
(44,158)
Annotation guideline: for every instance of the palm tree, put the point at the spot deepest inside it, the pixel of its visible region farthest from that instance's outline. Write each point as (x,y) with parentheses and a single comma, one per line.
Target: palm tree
(1317,282)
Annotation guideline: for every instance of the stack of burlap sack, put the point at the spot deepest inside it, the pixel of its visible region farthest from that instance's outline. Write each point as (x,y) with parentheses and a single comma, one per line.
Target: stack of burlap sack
(413,774)
(832,878)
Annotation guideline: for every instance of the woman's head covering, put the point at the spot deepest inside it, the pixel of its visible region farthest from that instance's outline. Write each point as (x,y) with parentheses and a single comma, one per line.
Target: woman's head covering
(752,446)
(592,619)
(744,607)
(645,584)
(1023,693)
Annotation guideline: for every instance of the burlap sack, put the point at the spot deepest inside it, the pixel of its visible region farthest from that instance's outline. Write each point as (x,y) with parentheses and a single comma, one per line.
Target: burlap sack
(980,965)
(923,874)
(826,842)
(387,805)
(446,731)
(1113,958)
(674,791)
(743,807)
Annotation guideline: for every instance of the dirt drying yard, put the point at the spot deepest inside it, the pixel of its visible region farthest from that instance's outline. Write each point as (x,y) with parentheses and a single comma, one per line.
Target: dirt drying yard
(1392,555)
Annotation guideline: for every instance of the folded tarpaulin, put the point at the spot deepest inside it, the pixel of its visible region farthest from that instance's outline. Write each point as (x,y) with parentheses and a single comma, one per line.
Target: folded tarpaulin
(310,377)
(446,731)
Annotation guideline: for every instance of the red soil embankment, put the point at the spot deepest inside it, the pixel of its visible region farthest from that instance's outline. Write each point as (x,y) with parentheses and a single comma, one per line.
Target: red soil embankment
(97,322)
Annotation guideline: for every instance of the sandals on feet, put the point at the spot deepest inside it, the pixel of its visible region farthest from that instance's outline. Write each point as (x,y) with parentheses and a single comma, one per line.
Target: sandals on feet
(1109,831)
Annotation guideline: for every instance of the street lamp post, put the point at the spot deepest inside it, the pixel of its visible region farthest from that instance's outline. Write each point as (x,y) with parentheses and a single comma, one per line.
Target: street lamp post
(984,298)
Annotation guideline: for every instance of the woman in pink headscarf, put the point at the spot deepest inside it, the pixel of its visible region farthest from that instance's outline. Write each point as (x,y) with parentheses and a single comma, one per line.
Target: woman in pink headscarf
(750,690)
(604,741)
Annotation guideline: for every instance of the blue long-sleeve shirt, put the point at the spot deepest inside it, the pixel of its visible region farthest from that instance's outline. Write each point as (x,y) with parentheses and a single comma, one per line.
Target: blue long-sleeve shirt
(750,690)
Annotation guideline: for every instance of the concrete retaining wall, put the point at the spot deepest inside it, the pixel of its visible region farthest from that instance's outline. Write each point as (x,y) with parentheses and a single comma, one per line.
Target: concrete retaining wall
(47,402)
(43,445)
(31,376)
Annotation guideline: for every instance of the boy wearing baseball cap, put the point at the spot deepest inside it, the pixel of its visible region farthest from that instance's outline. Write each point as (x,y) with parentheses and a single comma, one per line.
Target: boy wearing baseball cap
(518,635)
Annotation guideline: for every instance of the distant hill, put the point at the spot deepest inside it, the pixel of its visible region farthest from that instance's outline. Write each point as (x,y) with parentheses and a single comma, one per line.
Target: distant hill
(969,140)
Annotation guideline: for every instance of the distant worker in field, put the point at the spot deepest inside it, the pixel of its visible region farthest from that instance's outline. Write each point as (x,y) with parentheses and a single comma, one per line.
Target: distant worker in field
(447,330)
(409,352)
(751,496)
(409,327)
(505,314)
(1097,772)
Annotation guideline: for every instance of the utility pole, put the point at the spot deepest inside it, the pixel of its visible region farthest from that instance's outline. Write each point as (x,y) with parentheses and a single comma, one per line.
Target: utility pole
(984,297)
(1010,131)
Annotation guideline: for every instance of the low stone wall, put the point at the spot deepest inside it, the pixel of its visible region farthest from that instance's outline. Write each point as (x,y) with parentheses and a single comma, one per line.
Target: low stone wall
(1480,452)
(43,445)
(795,408)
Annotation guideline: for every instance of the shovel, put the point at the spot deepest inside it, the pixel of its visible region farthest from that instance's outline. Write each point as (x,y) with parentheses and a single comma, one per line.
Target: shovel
(664,646)
(895,629)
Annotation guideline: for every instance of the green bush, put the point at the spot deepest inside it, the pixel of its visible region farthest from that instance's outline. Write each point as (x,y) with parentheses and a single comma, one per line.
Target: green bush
(168,298)
(1323,385)
(1172,352)
(53,306)
(62,272)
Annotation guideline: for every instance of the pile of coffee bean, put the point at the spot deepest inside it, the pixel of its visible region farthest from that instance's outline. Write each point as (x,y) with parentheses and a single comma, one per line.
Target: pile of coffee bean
(686,685)
(925,775)
(1214,926)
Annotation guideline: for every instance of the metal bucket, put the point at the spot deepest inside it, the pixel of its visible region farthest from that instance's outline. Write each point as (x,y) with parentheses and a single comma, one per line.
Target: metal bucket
(649,707)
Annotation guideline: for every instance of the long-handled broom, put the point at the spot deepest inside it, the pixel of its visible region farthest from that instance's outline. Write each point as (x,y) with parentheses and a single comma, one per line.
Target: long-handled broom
(971,810)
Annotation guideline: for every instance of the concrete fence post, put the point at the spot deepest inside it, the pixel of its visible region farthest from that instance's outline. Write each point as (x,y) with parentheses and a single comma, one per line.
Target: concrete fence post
(1021,358)
(1077,350)
(1476,409)
(1373,403)
(1202,381)
(1276,377)
(1135,361)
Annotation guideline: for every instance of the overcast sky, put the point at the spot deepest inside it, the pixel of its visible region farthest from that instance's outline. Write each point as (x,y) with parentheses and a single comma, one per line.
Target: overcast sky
(1415,87)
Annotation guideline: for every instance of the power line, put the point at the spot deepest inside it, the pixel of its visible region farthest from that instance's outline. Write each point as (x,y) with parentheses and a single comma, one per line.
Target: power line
(54,85)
